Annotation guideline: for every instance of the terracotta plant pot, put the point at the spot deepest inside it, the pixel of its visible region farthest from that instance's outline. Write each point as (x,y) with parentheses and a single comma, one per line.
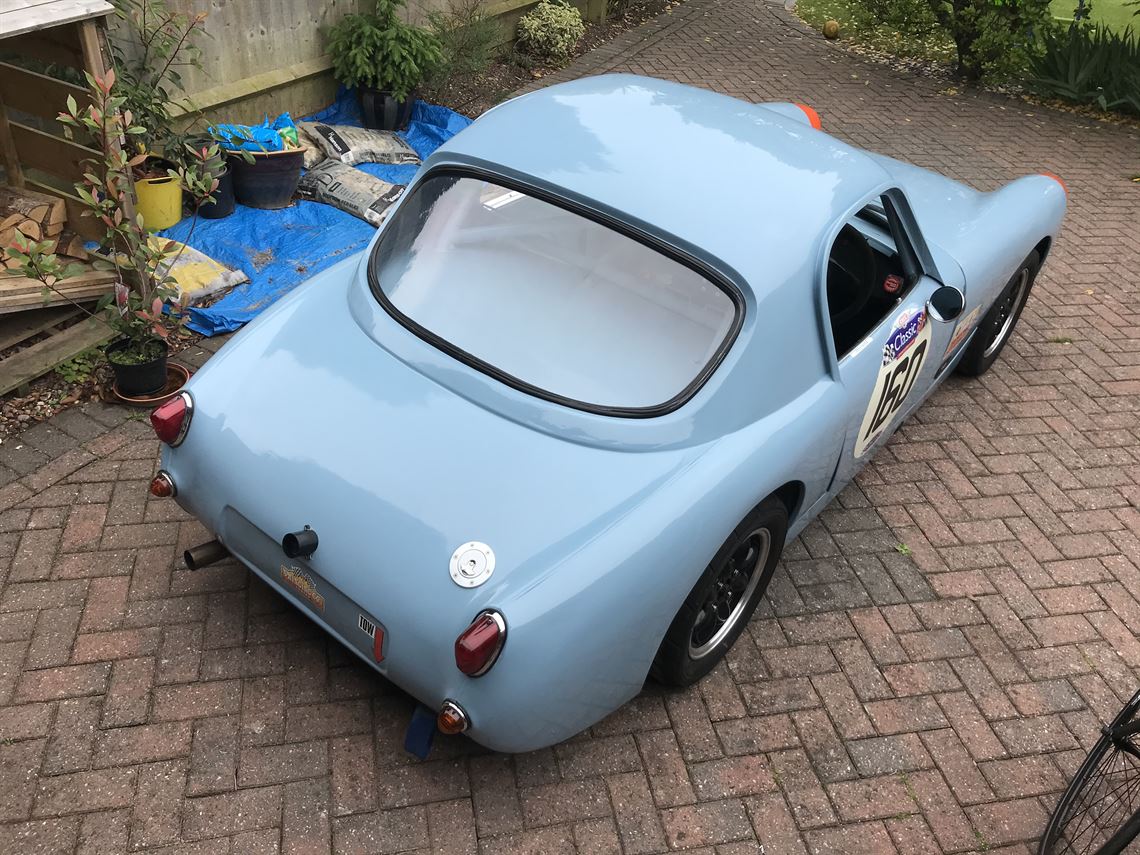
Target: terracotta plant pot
(176,377)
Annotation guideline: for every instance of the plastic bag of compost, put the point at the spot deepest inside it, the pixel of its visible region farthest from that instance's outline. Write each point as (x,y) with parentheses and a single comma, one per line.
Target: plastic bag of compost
(349,189)
(196,275)
(352,145)
(314,154)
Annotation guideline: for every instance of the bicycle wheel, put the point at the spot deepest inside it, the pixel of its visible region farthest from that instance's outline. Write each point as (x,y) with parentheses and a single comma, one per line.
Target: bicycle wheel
(1104,796)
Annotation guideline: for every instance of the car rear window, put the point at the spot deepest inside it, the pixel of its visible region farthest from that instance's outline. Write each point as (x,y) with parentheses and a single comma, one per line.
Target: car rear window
(560,304)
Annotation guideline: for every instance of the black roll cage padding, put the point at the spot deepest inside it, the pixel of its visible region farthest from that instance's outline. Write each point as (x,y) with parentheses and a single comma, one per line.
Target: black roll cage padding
(909,243)
(907,257)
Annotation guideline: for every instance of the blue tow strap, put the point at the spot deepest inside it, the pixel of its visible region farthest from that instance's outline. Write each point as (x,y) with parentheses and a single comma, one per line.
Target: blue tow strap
(421,732)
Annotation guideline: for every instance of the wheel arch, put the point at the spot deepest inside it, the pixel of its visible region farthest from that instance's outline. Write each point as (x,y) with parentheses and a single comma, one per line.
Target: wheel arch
(1042,249)
(792,496)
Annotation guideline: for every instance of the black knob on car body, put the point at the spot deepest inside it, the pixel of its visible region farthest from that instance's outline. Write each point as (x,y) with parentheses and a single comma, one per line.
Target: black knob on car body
(300,544)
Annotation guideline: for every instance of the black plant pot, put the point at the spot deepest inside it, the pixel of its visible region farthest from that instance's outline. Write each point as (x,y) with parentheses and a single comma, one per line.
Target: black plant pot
(141,378)
(223,204)
(380,111)
(269,180)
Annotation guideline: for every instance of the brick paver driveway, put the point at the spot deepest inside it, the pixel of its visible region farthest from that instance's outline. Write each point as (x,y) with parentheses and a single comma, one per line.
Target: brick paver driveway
(927,700)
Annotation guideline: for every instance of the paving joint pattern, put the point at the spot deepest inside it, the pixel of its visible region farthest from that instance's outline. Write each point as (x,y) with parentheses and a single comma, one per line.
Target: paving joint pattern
(936,655)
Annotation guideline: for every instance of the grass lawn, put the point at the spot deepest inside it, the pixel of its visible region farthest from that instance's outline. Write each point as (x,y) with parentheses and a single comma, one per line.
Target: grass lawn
(1110,12)
(935,46)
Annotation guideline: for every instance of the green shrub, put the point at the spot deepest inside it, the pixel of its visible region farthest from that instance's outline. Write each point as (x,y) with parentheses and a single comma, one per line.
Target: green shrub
(380,51)
(151,44)
(1090,65)
(469,41)
(550,30)
(992,38)
(911,17)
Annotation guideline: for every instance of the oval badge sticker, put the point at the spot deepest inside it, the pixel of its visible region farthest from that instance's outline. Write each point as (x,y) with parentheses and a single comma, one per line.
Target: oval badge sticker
(903,355)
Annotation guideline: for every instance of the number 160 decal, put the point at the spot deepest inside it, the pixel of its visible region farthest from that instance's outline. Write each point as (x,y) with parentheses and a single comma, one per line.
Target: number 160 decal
(903,356)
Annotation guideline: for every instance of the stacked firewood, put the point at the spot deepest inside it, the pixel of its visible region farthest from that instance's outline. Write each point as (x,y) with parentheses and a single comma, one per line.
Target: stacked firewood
(37,217)
(40,217)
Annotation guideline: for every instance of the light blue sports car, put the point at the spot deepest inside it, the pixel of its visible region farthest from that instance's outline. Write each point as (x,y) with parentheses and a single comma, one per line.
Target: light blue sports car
(548,436)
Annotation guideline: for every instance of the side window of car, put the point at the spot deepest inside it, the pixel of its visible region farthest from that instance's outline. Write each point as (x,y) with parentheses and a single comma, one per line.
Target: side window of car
(866,278)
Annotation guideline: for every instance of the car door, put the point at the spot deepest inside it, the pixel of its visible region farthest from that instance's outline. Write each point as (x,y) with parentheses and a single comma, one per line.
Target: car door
(893,366)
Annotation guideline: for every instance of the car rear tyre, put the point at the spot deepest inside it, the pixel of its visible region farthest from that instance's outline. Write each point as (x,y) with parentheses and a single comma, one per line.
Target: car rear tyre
(724,598)
(996,328)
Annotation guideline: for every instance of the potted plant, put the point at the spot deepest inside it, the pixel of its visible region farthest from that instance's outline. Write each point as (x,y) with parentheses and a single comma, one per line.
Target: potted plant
(265,161)
(384,59)
(158,192)
(143,309)
(150,46)
(266,179)
(221,203)
(138,355)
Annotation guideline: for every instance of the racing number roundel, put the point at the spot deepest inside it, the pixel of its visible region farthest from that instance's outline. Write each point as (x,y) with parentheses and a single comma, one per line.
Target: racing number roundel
(903,356)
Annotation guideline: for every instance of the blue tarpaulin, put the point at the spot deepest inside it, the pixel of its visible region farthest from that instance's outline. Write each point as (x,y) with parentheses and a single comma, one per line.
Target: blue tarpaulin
(281,249)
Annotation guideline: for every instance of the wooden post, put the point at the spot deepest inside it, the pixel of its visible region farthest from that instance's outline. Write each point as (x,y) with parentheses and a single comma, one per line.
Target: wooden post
(12,168)
(596,11)
(92,45)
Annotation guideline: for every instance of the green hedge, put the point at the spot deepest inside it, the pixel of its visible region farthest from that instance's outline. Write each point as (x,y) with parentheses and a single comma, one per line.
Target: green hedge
(1089,65)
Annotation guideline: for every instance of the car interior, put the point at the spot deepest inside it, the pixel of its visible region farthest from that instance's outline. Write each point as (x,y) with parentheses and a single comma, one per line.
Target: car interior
(865,278)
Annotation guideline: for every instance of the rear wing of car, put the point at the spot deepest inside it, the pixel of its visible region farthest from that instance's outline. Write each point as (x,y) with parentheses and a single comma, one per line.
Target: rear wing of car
(799,112)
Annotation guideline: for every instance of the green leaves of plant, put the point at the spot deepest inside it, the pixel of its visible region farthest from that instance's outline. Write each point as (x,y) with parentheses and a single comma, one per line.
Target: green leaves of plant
(1090,65)
(149,47)
(550,30)
(380,51)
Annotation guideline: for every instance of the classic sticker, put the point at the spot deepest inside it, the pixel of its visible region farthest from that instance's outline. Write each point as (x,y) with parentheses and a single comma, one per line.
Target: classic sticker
(903,356)
(964,328)
(303,584)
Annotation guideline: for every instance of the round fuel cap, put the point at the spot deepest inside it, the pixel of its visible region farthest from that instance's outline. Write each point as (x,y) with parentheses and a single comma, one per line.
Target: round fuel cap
(472,564)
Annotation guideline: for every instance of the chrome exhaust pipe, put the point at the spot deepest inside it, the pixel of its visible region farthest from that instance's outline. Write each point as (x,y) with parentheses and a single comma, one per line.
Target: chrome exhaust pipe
(205,554)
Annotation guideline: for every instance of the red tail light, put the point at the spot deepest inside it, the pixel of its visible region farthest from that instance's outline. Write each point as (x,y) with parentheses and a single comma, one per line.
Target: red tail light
(480,644)
(163,485)
(171,420)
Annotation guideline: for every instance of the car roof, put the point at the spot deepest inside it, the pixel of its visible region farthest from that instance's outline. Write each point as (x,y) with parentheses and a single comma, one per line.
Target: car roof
(745,187)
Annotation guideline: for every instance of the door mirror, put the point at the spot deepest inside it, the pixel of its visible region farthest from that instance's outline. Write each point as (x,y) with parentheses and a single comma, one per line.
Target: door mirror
(946,303)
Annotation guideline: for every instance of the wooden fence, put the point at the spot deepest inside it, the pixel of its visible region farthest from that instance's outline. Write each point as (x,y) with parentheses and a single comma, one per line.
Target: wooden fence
(265,56)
